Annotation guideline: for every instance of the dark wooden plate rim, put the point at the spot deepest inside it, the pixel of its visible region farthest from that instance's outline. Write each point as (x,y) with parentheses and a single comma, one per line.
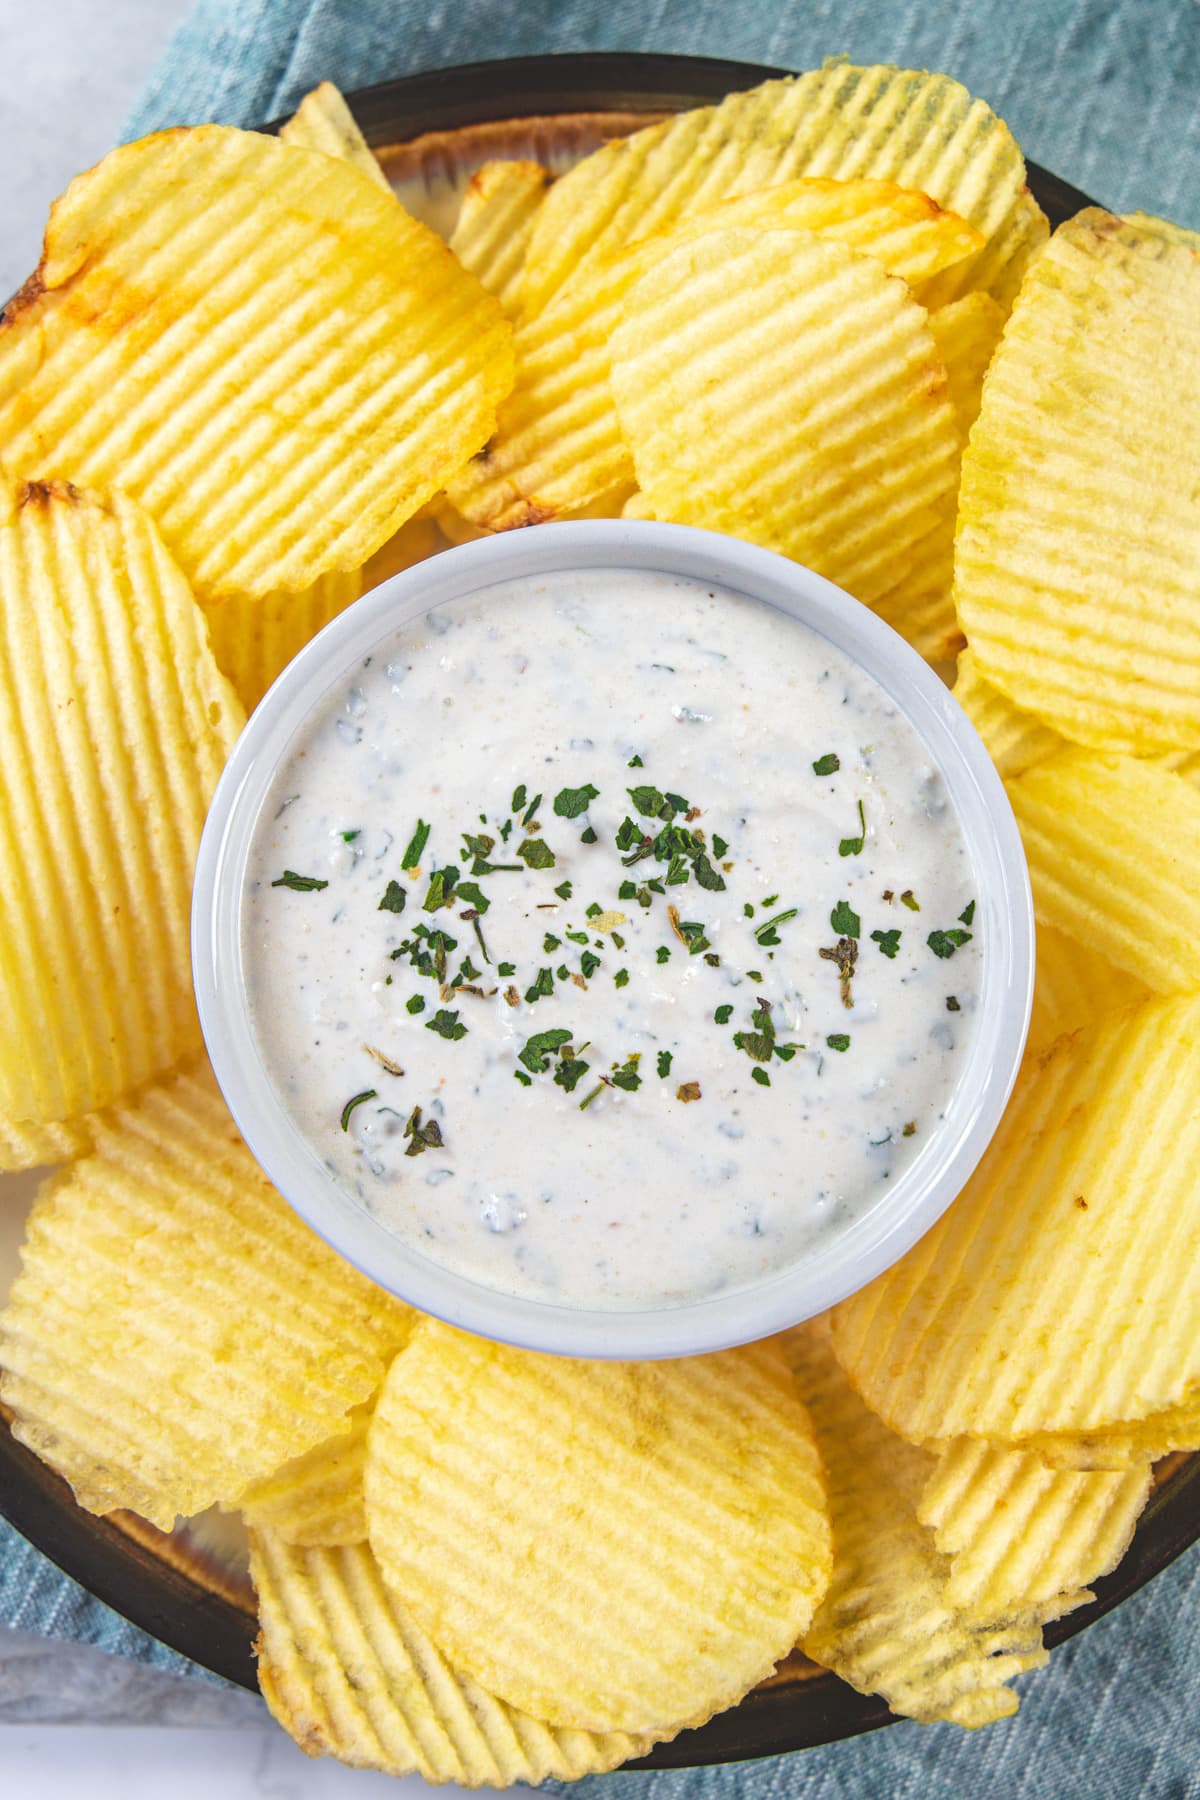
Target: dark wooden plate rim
(130,1573)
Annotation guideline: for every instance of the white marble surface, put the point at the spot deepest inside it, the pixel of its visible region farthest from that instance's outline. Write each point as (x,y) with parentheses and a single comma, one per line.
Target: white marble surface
(75,1724)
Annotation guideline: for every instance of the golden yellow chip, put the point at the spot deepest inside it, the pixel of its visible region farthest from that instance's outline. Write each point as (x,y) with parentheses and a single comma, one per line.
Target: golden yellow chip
(315,1500)
(413,543)
(114,725)
(495,224)
(922,131)
(815,379)
(176,1332)
(559,443)
(1021,1535)
(1014,740)
(966,333)
(1113,847)
(254,638)
(1163,228)
(257,344)
(1001,266)
(41,1146)
(1077,574)
(347,1671)
(1181,762)
(609,1546)
(323,121)
(920,606)
(1126,1446)
(1074,986)
(890,1624)
(1061,1291)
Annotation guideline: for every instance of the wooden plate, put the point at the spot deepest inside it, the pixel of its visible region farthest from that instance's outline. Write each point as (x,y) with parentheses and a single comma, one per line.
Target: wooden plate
(190,1589)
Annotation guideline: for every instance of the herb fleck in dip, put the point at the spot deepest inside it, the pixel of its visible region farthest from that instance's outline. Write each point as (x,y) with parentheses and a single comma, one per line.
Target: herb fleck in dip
(612,939)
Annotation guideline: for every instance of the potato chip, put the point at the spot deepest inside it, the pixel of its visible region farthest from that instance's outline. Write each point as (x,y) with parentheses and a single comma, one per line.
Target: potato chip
(114,725)
(1113,847)
(1077,573)
(889,1624)
(559,442)
(1061,1291)
(610,1546)
(1021,1535)
(817,376)
(1001,266)
(966,333)
(41,1146)
(495,224)
(347,1671)
(920,130)
(1124,1446)
(413,543)
(1014,740)
(254,637)
(315,1500)
(1163,228)
(323,121)
(258,345)
(176,1331)
(1075,985)
(920,606)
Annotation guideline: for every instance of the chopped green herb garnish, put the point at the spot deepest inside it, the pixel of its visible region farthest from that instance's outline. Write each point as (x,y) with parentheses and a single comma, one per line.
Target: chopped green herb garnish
(747,910)
(589,962)
(649,802)
(664,1064)
(550,942)
(524,1079)
(536,853)
(348,837)
(759,1043)
(542,988)
(517,804)
(705,874)
(910,1130)
(761,1076)
(888,941)
(909,899)
(416,1004)
(447,1025)
(394,900)
(421,1137)
(952,1003)
(530,813)
(945,943)
(617,939)
(594,910)
(853,846)
(662,954)
(300,884)
(541,1045)
(627,1076)
(766,933)
(627,890)
(473,894)
(635,762)
(587,837)
(417,843)
(967,915)
(570,1071)
(621,978)
(845,955)
(367,1094)
(578,937)
(844,920)
(563,890)
(570,802)
(506,968)
(829,764)
(720,847)
(723,1015)
(785,1052)
(441,888)
(753,974)
(838,1040)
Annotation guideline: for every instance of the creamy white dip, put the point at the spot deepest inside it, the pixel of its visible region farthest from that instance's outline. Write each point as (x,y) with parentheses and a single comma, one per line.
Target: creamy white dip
(759,969)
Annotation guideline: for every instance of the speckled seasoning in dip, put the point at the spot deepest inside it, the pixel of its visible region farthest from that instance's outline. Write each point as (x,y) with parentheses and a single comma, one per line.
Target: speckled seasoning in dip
(612,938)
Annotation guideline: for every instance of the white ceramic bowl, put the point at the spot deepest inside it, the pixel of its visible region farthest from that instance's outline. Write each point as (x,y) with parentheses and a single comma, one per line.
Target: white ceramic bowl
(1005,915)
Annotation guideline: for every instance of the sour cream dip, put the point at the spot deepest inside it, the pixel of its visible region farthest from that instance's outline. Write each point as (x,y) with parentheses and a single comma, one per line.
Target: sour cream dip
(609,945)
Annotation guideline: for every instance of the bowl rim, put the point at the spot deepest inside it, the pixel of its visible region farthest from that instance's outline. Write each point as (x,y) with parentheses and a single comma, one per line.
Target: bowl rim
(1004,921)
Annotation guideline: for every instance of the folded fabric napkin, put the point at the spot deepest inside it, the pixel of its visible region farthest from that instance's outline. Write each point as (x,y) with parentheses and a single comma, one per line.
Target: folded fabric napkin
(1107,95)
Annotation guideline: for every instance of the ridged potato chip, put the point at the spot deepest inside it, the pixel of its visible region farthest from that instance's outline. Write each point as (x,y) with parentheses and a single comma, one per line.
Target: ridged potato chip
(1061,1291)
(1021,1535)
(1001,266)
(315,1501)
(254,637)
(1075,985)
(323,121)
(966,333)
(920,130)
(41,1146)
(609,1546)
(1113,847)
(558,443)
(115,723)
(1014,740)
(176,1331)
(1126,1446)
(920,606)
(347,1672)
(889,1624)
(1077,565)
(816,375)
(257,344)
(495,224)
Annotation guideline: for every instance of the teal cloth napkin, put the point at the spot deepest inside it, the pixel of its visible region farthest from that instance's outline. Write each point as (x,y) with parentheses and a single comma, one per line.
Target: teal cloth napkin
(1107,95)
